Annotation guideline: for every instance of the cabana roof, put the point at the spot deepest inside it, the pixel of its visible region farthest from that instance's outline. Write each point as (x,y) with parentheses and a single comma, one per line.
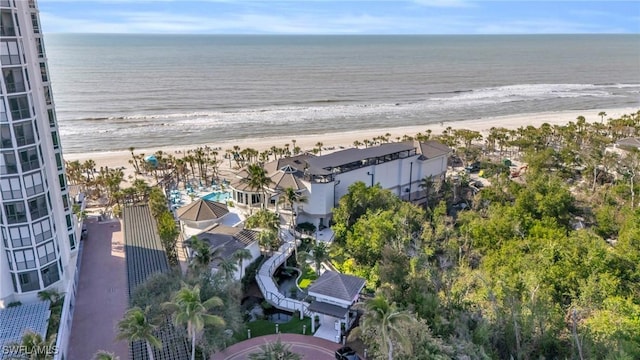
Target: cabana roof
(202,210)
(336,285)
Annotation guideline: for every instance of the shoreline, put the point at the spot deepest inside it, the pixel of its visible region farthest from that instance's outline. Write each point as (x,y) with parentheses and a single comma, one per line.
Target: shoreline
(118,158)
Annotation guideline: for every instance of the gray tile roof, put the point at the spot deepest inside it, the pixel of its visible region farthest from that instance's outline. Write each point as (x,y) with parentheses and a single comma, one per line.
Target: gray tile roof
(337,285)
(282,180)
(629,142)
(15,321)
(348,156)
(229,238)
(432,149)
(298,162)
(202,210)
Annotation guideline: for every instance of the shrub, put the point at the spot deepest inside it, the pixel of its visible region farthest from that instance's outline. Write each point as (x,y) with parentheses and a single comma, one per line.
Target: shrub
(306,228)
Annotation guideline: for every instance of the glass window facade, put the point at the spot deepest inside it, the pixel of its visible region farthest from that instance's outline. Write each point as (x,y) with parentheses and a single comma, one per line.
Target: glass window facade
(35,211)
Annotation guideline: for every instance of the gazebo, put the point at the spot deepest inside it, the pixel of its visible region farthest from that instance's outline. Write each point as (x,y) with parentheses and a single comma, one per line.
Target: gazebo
(334,294)
(201,214)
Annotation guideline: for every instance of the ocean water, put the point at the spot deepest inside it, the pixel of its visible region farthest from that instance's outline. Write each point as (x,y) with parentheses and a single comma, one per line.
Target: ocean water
(116,91)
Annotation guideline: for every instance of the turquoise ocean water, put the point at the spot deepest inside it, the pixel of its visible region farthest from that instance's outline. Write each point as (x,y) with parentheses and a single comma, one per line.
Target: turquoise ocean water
(116,91)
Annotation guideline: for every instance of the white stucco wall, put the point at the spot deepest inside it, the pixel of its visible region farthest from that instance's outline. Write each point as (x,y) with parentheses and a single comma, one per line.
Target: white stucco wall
(254,248)
(392,175)
(320,199)
(330,300)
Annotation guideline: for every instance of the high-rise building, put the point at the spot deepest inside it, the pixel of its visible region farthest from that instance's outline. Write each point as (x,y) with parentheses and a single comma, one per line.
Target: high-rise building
(39,245)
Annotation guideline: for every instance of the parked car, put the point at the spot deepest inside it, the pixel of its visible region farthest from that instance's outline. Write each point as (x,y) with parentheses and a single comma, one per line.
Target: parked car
(346,353)
(473,167)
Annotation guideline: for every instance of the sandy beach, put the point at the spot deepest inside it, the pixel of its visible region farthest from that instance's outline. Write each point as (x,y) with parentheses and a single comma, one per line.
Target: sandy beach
(345,139)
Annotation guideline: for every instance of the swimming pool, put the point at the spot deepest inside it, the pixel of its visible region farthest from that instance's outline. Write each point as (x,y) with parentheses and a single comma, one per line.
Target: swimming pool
(219,196)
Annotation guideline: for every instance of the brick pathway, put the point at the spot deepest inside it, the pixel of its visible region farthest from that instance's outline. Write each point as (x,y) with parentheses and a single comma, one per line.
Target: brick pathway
(311,348)
(101,299)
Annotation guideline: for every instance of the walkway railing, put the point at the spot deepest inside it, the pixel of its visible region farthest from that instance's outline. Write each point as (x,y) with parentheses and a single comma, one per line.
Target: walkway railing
(268,287)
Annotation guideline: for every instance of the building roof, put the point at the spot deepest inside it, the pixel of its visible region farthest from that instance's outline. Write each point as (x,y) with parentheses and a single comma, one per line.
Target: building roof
(336,285)
(298,162)
(229,238)
(238,184)
(202,210)
(629,142)
(328,309)
(282,180)
(17,320)
(432,149)
(352,155)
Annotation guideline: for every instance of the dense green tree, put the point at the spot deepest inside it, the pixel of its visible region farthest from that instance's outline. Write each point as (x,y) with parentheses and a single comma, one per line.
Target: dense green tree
(511,277)
(168,231)
(359,200)
(263,219)
(268,240)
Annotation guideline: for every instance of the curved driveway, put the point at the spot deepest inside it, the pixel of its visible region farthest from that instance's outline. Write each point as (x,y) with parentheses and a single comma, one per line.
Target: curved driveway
(308,346)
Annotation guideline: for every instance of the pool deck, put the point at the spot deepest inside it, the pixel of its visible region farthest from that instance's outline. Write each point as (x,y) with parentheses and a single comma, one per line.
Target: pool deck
(308,346)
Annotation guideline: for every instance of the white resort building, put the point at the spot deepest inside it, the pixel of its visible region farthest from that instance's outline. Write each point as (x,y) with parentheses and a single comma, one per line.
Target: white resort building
(40,234)
(323,180)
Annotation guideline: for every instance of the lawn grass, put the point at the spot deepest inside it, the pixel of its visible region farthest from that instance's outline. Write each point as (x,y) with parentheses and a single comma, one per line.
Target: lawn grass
(308,276)
(266,327)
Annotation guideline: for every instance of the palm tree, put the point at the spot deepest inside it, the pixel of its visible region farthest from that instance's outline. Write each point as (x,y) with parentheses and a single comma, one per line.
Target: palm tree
(56,300)
(88,166)
(202,253)
(33,347)
(290,196)
(188,309)
(385,320)
(258,180)
(105,355)
(320,253)
(275,351)
(319,147)
(228,267)
(602,114)
(268,240)
(240,256)
(135,326)
(426,184)
(134,160)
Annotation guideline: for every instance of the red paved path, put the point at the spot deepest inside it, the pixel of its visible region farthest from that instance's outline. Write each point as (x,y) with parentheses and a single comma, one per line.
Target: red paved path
(102,294)
(311,348)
